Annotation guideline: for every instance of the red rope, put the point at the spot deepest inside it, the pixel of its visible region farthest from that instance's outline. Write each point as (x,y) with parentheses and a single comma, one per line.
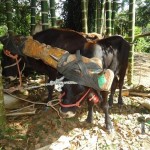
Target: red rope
(77,104)
(94,98)
(7,53)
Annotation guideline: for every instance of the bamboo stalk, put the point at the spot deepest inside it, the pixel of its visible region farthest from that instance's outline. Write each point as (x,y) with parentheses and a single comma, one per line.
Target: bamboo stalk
(44,11)
(108,17)
(33,8)
(131,40)
(84,16)
(53,15)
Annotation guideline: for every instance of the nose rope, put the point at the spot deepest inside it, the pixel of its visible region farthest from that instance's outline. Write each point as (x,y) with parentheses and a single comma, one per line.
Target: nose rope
(7,53)
(77,104)
(94,98)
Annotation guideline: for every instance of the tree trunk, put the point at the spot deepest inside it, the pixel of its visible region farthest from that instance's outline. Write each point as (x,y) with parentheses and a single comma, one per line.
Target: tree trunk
(113,15)
(84,16)
(33,8)
(108,17)
(53,15)
(131,40)
(2,110)
(44,11)
(9,12)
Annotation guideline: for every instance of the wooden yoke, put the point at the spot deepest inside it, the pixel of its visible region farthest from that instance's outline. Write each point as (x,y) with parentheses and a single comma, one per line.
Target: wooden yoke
(41,51)
(44,52)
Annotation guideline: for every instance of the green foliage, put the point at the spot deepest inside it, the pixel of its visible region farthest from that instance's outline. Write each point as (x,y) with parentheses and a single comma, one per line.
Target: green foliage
(121,24)
(1,47)
(2,13)
(3,30)
(142,44)
(72,15)
(143,13)
(21,18)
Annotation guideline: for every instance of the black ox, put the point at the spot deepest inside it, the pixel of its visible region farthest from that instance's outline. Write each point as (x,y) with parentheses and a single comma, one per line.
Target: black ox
(113,51)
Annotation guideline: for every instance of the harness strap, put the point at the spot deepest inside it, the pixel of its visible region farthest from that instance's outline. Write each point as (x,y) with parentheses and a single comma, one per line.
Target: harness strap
(7,53)
(77,104)
(77,71)
(94,98)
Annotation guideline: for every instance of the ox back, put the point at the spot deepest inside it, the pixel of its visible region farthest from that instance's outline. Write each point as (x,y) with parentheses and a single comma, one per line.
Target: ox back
(68,40)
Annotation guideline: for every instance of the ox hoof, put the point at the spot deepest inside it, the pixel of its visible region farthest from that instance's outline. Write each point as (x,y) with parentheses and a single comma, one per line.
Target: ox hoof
(110,129)
(110,104)
(89,120)
(120,107)
(120,102)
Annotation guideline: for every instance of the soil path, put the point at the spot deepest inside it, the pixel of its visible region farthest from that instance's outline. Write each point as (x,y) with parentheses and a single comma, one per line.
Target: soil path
(46,131)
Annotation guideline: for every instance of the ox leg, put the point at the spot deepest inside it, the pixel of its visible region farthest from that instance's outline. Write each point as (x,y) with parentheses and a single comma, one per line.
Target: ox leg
(105,107)
(113,88)
(120,100)
(50,92)
(89,118)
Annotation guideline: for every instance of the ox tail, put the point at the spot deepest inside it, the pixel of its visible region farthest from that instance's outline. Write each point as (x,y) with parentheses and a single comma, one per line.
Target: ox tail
(124,55)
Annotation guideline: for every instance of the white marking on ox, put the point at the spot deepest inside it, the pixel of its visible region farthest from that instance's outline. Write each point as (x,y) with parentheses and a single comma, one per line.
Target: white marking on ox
(68,114)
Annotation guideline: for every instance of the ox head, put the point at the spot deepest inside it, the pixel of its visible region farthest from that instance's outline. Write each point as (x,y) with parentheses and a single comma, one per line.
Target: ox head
(9,65)
(73,96)
(69,99)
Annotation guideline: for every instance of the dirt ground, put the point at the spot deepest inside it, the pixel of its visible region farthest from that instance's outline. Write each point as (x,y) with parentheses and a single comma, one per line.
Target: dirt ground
(45,130)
